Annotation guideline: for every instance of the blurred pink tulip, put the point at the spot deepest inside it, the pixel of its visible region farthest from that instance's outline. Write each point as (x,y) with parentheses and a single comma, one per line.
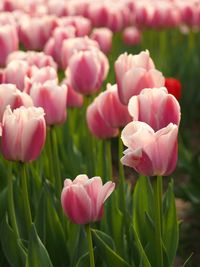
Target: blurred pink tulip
(64,8)
(82,25)
(83,198)
(97,125)
(155,107)
(134,73)
(131,36)
(103,36)
(52,98)
(15,73)
(10,95)
(8,42)
(73,45)
(150,153)
(113,112)
(23,133)
(74,99)
(54,44)
(87,70)
(34,32)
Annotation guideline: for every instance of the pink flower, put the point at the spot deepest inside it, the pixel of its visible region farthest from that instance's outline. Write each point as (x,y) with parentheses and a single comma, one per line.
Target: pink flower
(134,73)
(54,44)
(87,70)
(52,98)
(74,99)
(82,199)
(10,95)
(23,133)
(15,73)
(155,107)
(97,124)
(73,45)
(131,36)
(103,36)
(8,42)
(150,153)
(113,112)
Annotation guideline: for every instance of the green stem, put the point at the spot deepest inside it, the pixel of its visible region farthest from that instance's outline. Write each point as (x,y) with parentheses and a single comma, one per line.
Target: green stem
(108,160)
(28,217)
(121,178)
(55,160)
(11,207)
(157,187)
(90,245)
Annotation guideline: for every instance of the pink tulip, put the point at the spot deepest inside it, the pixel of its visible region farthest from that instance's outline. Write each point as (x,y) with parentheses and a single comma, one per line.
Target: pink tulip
(54,44)
(74,99)
(15,73)
(8,42)
(134,73)
(155,107)
(62,10)
(150,153)
(131,36)
(97,125)
(83,198)
(81,24)
(34,32)
(103,36)
(87,70)
(113,112)
(72,45)
(40,75)
(23,133)
(39,59)
(10,95)
(52,98)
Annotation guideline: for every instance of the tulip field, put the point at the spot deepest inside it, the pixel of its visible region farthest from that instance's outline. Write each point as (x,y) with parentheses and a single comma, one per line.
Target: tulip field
(99,133)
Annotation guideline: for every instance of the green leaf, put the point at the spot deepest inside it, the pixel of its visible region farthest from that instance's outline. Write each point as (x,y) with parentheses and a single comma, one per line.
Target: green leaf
(37,253)
(170,224)
(144,262)
(110,257)
(84,260)
(11,246)
(142,205)
(106,238)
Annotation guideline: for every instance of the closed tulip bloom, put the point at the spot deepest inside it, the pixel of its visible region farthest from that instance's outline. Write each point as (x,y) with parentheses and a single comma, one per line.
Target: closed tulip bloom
(83,199)
(155,107)
(23,133)
(10,95)
(87,70)
(97,124)
(73,45)
(114,113)
(103,36)
(150,153)
(134,73)
(131,36)
(52,98)
(15,72)
(8,42)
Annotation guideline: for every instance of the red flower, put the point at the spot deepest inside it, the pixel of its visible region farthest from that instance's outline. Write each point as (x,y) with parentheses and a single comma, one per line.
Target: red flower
(174,87)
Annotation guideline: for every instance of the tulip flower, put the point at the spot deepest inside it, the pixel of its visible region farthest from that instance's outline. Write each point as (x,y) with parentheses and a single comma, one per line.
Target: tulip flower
(8,42)
(113,112)
(173,87)
(23,133)
(155,107)
(134,73)
(83,198)
(103,36)
(97,124)
(10,95)
(150,153)
(87,70)
(52,98)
